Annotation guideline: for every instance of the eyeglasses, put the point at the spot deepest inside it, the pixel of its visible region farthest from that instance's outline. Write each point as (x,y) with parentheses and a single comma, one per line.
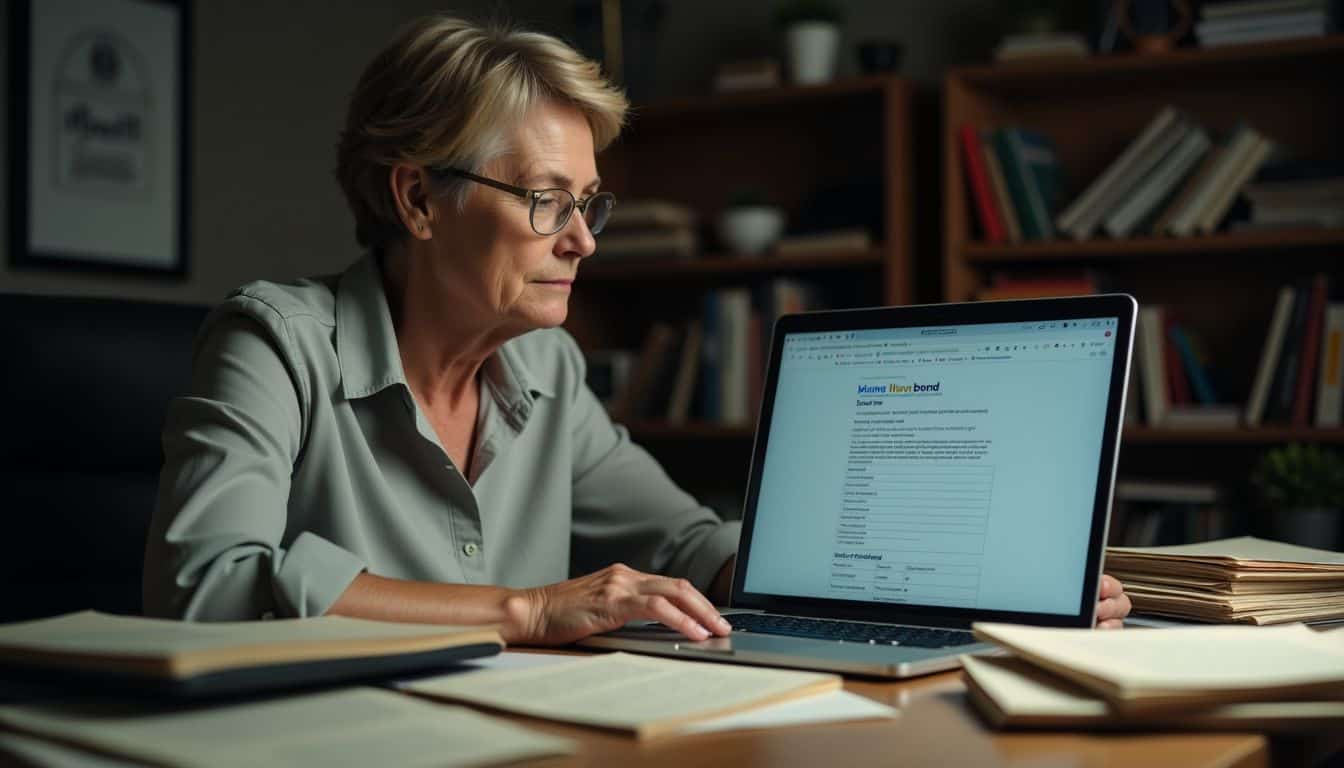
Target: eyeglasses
(551,208)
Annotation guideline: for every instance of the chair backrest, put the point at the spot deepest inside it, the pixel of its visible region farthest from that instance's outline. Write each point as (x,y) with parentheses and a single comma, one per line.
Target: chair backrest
(85,386)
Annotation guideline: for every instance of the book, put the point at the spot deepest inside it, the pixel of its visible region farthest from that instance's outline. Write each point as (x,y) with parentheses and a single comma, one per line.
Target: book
(1269,357)
(1178,387)
(195,658)
(735,330)
(1222,200)
(1200,383)
(1311,347)
(346,726)
(1330,379)
(1284,389)
(1185,221)
(1031,170)
(683,387)
(656,355)
(1174,167)
(1003,202)
(1080,219)
(1035,46)
(649,213)
(1256,8)
(1152,363)
(747,74)
(977,181)
(673,243)
(614,690)
(1014,693)
(846,240)
(1194,182)
(1202,417)
(1182,667)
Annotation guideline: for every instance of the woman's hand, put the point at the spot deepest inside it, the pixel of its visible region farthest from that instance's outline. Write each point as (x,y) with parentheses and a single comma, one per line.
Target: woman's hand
(599,602)
(1113,605)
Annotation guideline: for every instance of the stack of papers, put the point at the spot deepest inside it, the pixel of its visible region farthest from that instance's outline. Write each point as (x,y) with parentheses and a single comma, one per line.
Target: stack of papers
(1197,677)
(1242,580)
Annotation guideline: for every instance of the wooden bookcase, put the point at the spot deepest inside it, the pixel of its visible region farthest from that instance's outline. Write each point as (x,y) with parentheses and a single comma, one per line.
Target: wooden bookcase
(790,142)
(1223,286)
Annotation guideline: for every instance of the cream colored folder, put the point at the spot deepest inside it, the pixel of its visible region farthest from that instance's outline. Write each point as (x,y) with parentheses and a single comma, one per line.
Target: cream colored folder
(1170,668)
(1012,692)
(643,695)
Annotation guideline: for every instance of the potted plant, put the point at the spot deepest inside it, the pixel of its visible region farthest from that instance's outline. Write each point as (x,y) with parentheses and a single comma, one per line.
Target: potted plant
(750,225)
(812,37)
(1303,489)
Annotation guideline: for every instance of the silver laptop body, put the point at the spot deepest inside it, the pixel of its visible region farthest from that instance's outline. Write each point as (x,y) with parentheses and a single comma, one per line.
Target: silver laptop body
(923,467)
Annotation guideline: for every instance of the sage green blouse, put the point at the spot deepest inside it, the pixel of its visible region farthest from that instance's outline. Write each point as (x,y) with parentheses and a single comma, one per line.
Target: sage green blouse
(299,459)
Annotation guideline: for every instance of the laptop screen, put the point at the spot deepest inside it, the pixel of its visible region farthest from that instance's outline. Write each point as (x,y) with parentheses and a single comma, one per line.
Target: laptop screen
(952,465)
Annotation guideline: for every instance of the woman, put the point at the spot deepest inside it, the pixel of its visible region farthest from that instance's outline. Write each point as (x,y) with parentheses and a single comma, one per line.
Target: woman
(412,439)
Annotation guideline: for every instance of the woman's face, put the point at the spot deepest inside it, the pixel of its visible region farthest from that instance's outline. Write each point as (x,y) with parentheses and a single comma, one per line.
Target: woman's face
(494,265)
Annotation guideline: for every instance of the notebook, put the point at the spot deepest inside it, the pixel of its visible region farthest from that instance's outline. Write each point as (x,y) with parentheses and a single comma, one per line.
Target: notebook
(205,659)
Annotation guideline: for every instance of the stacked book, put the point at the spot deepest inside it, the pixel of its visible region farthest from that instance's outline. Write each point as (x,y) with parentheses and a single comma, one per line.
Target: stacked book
(1014,179)
(1295,196)
(1243,580)
(1172,179)
(1256,21)
(1176,383)
(712,366)
(1192,678)
(1298,380)
(1070,45)
(648,229)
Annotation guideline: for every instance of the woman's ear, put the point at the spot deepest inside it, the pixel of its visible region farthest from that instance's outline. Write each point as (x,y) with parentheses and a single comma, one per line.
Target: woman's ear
(410,194)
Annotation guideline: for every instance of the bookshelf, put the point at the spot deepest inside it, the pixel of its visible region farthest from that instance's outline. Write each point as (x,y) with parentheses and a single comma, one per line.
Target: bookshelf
(852,135)
(1222,285)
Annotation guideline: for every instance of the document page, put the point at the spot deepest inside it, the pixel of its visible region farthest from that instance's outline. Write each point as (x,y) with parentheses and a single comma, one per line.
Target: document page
(645,695)
(948,466)
(357,726)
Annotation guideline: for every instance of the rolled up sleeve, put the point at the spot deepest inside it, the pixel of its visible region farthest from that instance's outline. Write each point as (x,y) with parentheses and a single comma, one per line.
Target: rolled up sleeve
(626,509)
(215,550)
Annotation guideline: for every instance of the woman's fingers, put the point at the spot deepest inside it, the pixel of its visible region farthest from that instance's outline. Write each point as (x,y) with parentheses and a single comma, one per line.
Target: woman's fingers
(1110,586)
(690,601)
(662,609)
(1111,624)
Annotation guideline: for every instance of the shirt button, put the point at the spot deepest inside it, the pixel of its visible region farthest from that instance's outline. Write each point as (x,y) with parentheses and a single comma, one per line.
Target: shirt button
(470,549)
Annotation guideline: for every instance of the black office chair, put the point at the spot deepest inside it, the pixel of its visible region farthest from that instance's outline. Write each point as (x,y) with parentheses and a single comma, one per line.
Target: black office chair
(85,386)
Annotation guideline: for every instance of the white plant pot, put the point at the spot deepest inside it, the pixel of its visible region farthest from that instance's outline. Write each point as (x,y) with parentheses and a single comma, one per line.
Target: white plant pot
(750,231)
(813,48)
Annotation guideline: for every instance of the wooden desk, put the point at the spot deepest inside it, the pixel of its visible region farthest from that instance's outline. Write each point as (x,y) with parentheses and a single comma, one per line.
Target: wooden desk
(936,726)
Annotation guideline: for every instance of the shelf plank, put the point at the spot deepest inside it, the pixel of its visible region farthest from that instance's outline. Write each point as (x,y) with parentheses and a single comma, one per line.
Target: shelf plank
(1240,436)
(662,431)
(1101,249)
(788,95)
(1232,58)
(729,265)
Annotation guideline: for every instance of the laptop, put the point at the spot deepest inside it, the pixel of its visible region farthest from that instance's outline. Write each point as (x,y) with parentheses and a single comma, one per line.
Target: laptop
(917,469)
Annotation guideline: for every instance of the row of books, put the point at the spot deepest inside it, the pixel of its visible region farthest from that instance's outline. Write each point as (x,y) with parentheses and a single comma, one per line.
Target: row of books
(709,368)
(1298,381)
(1256,21)
(1173,179)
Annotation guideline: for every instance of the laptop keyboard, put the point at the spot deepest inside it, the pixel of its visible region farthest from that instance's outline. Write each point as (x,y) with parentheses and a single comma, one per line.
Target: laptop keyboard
(849,631)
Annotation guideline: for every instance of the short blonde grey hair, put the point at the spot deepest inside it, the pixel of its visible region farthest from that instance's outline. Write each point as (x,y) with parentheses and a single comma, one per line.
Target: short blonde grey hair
(450,92)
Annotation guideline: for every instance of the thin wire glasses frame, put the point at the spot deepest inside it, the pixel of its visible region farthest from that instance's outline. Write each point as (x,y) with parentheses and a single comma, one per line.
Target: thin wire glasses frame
(595,209)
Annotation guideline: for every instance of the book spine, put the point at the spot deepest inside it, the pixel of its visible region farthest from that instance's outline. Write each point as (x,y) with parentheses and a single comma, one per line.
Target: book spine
(1165,177)
(1179,386)
(1269,356)
(1311,348)
(1195,373)
(1285,378)
(1068,220)
(1015,175)
(978,179)
(1003,202)
(735,313)
(1330,382)
(711,358)
(1185,220)
(1154,368)
(1036,160)
(1222,202)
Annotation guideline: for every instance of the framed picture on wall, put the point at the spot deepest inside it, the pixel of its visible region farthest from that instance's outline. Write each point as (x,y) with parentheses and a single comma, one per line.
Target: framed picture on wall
(99,135)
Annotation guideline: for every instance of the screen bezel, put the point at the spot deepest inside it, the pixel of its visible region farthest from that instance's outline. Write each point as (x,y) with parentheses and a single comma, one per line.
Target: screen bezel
(1121,306)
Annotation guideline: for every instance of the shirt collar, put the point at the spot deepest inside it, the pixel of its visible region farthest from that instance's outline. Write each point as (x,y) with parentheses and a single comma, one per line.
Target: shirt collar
(366,344)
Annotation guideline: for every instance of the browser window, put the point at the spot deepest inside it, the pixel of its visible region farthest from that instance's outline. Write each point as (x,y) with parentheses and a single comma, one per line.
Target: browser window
(943,466)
